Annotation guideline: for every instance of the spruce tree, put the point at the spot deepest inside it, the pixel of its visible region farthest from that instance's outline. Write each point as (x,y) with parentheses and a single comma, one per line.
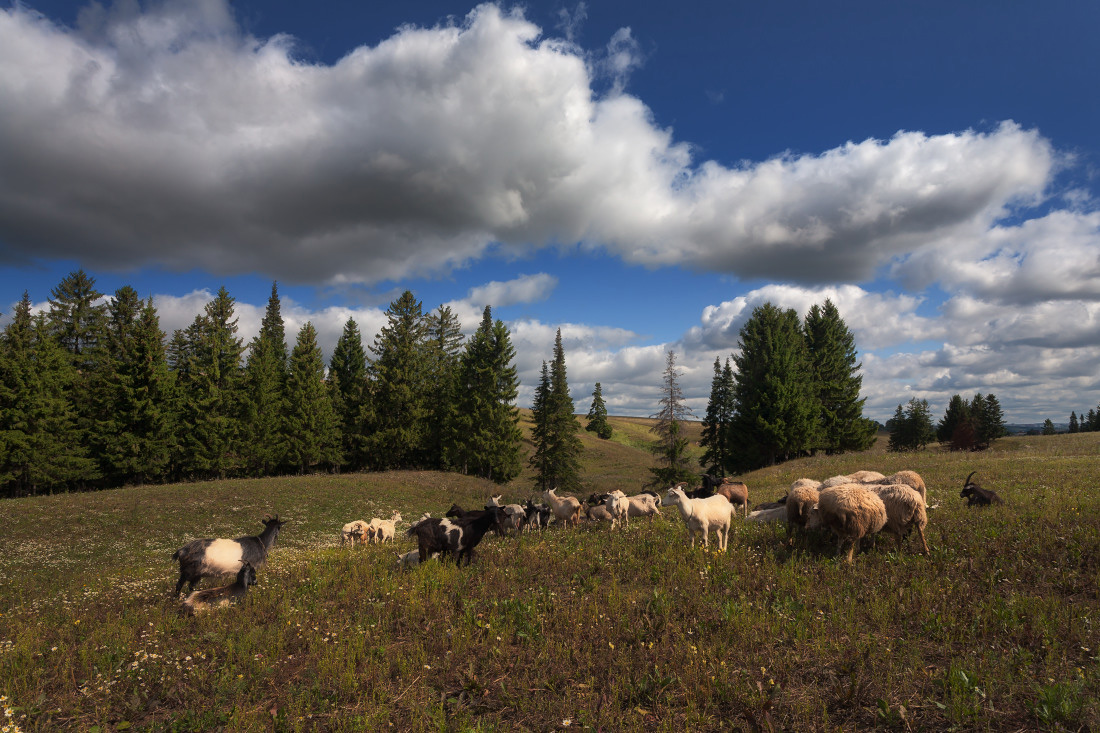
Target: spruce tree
(41,447)
(840,425)
(540,459)
(990,421)
(670,448)
(488,437)
(911,429)
(1092,420)
(560,448)
(597,415)
(210,385)
(775,406)
(957,427)
(1048,427)
(348,383)
(135,392)
(444,357)
(398,433)
(264,398)
(717,423)
(310,431)
(1074,426)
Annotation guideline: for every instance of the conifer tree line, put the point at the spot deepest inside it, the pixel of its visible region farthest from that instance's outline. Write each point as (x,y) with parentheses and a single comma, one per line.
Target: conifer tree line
(93,395)
(966,424)
(1085,422)
(791,390)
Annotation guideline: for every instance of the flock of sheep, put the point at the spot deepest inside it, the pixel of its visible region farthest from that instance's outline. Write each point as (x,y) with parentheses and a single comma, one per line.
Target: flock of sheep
(851,507)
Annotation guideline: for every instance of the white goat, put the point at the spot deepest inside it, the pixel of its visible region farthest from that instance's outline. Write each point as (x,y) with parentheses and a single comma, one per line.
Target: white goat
(383,530)
(618,506)
(514,516)
(566,508)
(356,530)
(702,515)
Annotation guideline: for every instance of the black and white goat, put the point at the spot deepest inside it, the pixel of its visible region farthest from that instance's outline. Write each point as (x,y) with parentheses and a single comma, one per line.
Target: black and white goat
(455,536)
(977,496)
(209,557)
(203,600)
(538,515)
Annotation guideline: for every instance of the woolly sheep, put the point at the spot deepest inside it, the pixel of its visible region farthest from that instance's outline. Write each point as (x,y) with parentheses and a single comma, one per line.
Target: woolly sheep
(911,479)
(852,512)
(905,510)
(800,502)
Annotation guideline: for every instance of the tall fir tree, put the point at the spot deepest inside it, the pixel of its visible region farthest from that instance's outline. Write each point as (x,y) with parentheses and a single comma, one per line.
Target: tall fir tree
(397,435)
(1074,425)
(135,392)
(911,427)
(348,383)
(957,427)
(1093,419)
(840,425)
(540,459)
(1048,427)
(775,407)
(597,415)
(77,318)
(264,394)
(990,420)
(311,433)
(718,421)
(487,420)
(41,446)
(444,356)
(210,385)
(561,446)
(670,447)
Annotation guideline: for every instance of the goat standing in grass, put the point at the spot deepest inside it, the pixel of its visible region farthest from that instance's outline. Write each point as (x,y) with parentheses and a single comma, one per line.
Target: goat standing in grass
(208,557)
(703,515)
(566,508)
(202,600)
(456,536)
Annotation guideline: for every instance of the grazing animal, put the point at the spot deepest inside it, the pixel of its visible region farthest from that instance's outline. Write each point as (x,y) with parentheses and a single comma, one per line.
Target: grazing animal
(800,502)
(538,515)
(771,514)
(203,600)
(566,508)
(852,512)
(513,518)
(456,536)
(975,495)
(618,507)
(598,513)
(911,479)
(412,557)
(383,530)
(703,515)
(905,510)
(355,531)
(209,557)
(736,493)
(645,504)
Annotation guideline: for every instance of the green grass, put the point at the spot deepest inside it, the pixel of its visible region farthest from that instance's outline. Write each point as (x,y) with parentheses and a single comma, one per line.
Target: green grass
(629,630)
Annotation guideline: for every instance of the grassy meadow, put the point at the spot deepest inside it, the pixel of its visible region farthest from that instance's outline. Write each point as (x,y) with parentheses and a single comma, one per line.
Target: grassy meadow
(571,628)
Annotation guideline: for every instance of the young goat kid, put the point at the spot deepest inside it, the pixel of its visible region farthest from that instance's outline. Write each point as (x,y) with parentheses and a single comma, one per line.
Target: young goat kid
(209,557)
(203,600)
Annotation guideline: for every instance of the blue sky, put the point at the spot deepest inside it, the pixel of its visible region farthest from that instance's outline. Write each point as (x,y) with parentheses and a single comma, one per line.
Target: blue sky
(639,176)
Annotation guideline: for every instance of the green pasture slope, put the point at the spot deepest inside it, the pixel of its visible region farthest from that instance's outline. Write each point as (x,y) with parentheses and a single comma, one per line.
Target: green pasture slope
(581,629)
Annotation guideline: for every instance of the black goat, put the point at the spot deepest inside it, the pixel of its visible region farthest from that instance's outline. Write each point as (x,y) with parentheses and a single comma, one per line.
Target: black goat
(977,496)
(455,536)
(208,557)
(202,600)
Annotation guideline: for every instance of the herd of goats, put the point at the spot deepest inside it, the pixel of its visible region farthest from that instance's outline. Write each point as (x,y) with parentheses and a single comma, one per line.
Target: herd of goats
(852,507)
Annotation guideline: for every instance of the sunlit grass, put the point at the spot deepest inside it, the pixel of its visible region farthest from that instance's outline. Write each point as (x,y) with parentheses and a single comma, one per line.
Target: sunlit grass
(629,630)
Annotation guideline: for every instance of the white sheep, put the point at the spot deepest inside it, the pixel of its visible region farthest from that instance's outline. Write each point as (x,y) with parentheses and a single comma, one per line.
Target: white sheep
(702,515)
(800,502)
(911,479)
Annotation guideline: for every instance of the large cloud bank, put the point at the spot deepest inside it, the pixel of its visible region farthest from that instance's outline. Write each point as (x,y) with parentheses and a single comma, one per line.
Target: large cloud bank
(169,137)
